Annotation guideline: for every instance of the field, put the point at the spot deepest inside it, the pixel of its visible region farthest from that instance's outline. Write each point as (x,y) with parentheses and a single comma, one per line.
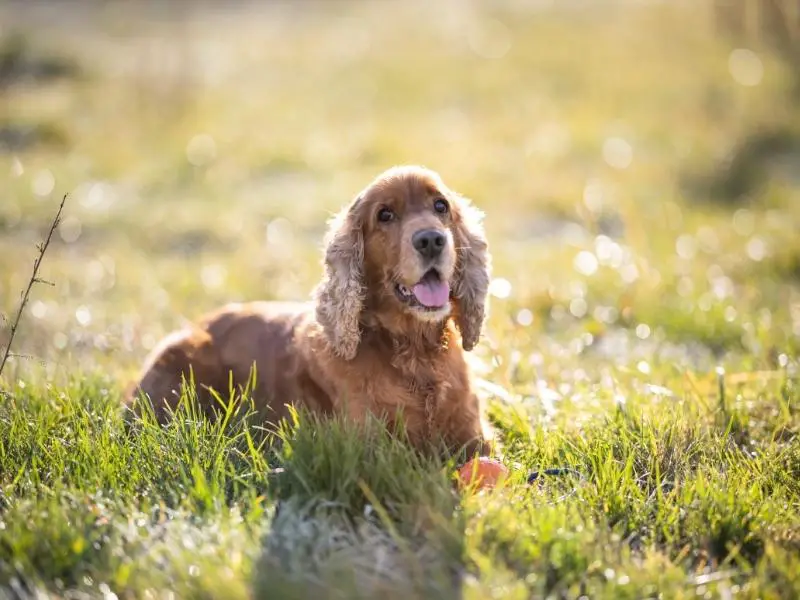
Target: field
(639,167)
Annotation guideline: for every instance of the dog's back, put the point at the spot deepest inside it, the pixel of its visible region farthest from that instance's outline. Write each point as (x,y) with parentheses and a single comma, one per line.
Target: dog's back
(238,344)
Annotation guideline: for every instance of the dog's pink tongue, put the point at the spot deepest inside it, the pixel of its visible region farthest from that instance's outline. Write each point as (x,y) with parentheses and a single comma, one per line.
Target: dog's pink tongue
(432,293)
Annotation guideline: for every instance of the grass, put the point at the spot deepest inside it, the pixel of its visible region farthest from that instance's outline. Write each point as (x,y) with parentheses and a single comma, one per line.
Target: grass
(677,498)
(642,210)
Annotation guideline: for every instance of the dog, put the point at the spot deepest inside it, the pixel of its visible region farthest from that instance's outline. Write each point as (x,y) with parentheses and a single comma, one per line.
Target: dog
(403,296)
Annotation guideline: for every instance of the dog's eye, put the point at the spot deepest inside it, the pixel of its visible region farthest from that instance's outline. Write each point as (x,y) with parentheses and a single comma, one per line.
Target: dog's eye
(440,205)
(385,215)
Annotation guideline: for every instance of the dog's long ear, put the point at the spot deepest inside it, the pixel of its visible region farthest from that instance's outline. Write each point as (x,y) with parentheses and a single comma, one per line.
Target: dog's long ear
(340,295)
(473,271)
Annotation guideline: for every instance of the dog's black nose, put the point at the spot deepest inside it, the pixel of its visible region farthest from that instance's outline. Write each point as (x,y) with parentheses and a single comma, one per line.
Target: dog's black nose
(429,242)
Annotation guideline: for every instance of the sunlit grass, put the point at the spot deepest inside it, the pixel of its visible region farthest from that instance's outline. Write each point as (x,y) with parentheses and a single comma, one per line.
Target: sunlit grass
(642,208)
(677,494)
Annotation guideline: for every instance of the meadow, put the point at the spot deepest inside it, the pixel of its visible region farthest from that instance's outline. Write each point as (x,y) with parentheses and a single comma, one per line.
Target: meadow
(639,167)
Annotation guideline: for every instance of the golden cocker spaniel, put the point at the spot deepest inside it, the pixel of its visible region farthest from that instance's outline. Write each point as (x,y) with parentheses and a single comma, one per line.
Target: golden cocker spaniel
(406,272)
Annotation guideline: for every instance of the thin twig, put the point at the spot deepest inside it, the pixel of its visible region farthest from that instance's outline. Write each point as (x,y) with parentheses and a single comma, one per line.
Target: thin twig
(42,248)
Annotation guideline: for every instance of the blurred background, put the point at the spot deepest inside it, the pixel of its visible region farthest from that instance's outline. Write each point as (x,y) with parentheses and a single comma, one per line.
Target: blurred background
(638,163)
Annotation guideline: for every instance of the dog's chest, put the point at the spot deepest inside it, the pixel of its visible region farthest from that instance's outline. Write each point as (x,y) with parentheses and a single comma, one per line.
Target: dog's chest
(422,388)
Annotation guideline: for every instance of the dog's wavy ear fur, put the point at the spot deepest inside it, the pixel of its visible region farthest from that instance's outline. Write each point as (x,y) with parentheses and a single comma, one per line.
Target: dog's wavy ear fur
(340,295)
(473,271)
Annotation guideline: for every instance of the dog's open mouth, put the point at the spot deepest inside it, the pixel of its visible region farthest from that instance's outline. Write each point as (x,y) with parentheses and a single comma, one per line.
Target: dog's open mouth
(429,293)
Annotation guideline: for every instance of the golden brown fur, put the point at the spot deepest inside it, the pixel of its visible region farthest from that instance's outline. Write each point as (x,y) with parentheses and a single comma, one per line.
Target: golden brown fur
(362,345)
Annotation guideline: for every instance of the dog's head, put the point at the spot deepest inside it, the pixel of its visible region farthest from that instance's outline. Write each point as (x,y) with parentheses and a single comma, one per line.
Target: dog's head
(407,247)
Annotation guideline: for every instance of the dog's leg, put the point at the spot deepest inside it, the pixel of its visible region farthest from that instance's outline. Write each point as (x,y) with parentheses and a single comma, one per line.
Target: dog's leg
(467,430)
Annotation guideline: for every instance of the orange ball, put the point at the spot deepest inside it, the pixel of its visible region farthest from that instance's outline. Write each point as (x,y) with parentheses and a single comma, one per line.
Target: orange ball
(483,472)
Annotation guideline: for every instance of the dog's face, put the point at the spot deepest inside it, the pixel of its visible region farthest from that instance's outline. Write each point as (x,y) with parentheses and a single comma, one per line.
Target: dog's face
(407,246)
